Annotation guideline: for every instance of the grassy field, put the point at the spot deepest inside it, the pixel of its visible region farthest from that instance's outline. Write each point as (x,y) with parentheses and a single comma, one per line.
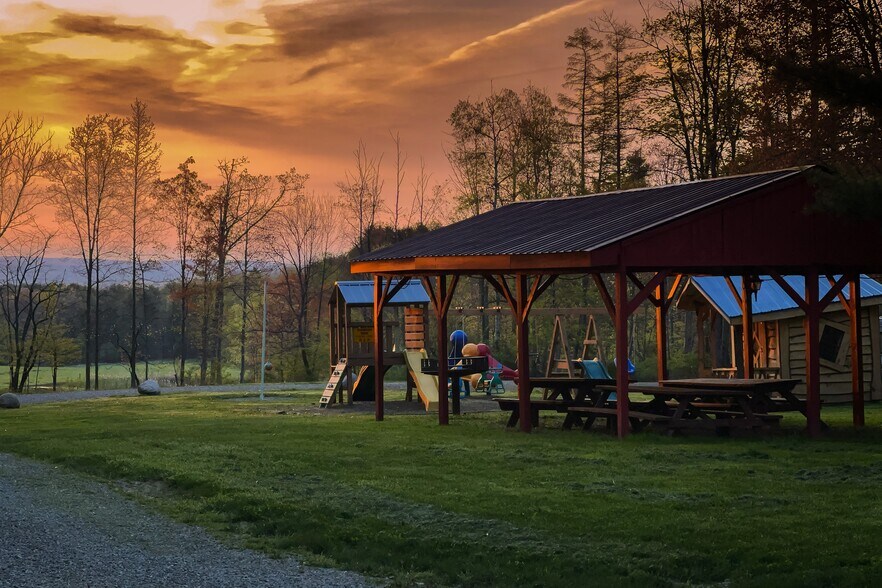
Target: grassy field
(111,376)
(474,504)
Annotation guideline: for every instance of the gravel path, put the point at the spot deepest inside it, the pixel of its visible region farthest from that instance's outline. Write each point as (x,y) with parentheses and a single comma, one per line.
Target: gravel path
(42,397)
(60,529)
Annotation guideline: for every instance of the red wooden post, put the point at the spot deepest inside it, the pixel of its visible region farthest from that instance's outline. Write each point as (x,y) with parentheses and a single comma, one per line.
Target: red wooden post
(443,405)
(661,331)
(378,348)
(747,326)
(812,357)
(857,353)
(621,305)
(524,386)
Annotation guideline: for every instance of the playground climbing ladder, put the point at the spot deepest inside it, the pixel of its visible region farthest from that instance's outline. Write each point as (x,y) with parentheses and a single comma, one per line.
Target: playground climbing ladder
(333,386)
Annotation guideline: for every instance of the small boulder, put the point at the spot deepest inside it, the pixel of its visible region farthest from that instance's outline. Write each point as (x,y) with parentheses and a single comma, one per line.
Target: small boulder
(9,400)
(149,388)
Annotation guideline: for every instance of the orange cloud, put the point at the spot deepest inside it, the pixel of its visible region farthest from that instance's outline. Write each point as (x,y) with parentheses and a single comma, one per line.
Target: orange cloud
(283,82)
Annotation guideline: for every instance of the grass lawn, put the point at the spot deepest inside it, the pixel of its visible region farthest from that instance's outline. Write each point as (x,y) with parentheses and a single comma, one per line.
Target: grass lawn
(111,376)
(474,504)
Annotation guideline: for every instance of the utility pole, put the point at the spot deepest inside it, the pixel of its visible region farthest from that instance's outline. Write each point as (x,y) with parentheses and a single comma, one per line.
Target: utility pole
(263,346)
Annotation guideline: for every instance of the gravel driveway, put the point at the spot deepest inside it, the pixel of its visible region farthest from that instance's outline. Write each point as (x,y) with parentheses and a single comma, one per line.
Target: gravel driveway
(61,529)
(43,397)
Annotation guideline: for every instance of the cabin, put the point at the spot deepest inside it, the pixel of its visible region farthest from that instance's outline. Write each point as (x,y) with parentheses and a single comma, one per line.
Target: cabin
(779,333)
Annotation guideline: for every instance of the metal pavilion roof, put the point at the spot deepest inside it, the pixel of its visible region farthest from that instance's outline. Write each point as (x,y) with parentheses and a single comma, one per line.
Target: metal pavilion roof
(361,293)
(577,224)
(771,298)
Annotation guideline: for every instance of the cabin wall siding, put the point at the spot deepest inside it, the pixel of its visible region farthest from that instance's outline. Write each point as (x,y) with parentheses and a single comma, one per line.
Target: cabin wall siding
(835,384)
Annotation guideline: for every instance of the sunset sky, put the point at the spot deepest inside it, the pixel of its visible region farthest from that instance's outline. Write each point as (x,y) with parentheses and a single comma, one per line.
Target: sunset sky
(285,83)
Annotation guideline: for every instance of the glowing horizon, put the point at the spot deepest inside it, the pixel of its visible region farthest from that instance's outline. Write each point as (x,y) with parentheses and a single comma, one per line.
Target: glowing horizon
(284,83)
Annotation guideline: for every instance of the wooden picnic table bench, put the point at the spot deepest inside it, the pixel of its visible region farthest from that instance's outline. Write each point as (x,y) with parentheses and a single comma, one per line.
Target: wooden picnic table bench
(638,419)
(694,407)
(537,404)
(565,392)
(765,395)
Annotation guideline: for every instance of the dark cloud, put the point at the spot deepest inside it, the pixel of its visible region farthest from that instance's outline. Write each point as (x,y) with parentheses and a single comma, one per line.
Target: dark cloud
(240,28)
(108,28)
(317,70)
(312,29)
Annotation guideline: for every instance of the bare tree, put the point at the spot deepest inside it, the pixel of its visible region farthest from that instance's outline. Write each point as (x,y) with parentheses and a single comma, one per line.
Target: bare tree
(86,185)
(698,96)
(256,187)
(178,198)
(229,214)
(24,156)
(302,233)
(26,301)
(619,85)
(361,194)
(580,79)
(142,154)
(400,161)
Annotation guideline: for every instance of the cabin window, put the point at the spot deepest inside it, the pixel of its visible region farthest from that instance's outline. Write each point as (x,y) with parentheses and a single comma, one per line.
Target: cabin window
(831,347)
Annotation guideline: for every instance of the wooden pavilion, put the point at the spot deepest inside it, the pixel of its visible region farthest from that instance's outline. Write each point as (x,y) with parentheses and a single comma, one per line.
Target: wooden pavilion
(747,225)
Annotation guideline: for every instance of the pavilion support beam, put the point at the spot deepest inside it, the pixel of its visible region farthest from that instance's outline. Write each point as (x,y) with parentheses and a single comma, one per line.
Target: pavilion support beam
(443,402)
(857,351)
(521,301)
(524,386)
(621,322)
(747,343)
(812,356)
(378,347)
(441,295)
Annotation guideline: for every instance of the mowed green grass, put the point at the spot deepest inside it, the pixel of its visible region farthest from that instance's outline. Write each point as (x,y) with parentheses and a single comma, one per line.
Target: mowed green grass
(474,504)
(111,376)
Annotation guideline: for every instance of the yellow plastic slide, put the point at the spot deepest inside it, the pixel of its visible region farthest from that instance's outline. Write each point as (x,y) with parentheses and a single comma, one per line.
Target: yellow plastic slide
(426,385)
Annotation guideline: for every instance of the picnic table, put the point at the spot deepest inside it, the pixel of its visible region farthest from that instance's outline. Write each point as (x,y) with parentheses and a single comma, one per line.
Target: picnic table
(762,391)
(721,409)
(464,366)
(565,393)
(701,403)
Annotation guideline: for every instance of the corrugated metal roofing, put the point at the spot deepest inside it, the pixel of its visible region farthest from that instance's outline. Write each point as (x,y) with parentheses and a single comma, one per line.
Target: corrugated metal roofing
(566,225)
(361,292)
(771,297)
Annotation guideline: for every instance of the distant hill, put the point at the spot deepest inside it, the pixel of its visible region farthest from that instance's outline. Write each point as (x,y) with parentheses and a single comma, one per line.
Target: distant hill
(114,271)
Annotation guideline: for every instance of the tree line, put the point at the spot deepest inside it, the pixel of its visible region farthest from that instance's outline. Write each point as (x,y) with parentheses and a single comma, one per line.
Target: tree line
(697,89)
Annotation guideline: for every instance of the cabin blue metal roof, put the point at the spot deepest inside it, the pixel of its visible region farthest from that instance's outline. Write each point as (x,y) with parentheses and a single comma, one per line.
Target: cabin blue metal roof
(361,293)
(771,297)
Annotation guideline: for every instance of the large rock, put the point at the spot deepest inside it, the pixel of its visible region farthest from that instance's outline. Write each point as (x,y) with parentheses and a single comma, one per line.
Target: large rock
(9,400)
(149,388)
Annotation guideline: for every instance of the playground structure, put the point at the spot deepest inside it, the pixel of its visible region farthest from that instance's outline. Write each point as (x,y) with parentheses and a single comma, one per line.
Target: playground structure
(351,331)
(560,363)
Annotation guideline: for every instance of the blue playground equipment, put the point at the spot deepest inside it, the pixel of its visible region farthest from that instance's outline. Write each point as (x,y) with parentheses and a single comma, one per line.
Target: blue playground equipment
(631,367)
(458,340)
